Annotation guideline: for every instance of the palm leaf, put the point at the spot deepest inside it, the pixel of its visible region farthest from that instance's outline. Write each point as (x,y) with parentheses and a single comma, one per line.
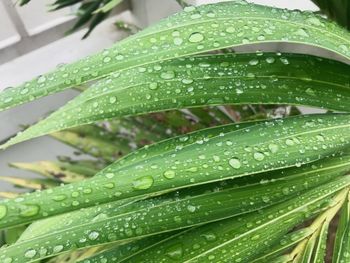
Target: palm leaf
(196,30)
(148,217)
(234,154)
(212,80)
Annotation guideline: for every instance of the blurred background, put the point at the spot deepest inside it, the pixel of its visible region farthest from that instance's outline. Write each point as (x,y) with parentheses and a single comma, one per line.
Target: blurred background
(34,41)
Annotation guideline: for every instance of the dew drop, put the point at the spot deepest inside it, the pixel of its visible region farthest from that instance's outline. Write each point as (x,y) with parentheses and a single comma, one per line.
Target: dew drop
(273,147)
(153,85)
(109,185)
(167,75)
(259,156)
(270,60)
(30,253)
(235,163)
(191,208)
(29,210)
(290,142)
(24,91)
(109,175)
(302,32)
(58,248)
(230,29)
(112,100)
(169,174)
(196,37)
(107,59)
(93,235)
(143,183)
(209,236)
(253,62)
(3,211)
(175,252)
(59,198)
(41,79)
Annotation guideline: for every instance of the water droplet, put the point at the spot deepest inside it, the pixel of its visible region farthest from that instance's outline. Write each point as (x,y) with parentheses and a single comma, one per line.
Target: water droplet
(255,237)
(41,79)
(153,85)
(93,235)
(266,199)
(235,163)
(24,91)
(191,208)
(58,248)
(209,236)
(107,59)
(270,60)
(112,100)
(290,142)
(187,81)
(29,210)
(302,32)
(109,175)
(285,190)
(167,75)
(273,147)
(109,185)
(320,138)
(253,62)
(3,211)
(196,37)
(259,156)
(315,21)
(284,60)
(143,183)
(59,197)
(230,29)
(119,57)
(169,174)
(178,41)
(310,92)
(175,252)
(30,253)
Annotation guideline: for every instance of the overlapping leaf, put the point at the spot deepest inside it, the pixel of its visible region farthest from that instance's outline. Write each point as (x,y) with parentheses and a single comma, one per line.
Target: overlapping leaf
(190,207)
(286,143)
(196,30)
(206,80)
(227,240)
(342,240)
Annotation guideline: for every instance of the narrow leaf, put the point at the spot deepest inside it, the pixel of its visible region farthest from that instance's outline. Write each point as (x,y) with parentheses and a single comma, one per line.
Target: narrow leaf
(342,240)
(193,31)
(156,216)
(226,240)
(212,80)
(268,146)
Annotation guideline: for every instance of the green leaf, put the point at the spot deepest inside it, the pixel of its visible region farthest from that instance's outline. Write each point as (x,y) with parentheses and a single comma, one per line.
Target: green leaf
(321,243)
(95,141)
(228,239)
(109,6)
(342,240)
(286,143)
(119,253)
(61,171)
(211,80)
(196,30)
(29,183)
(287,242)
(189,207)
(338,10)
